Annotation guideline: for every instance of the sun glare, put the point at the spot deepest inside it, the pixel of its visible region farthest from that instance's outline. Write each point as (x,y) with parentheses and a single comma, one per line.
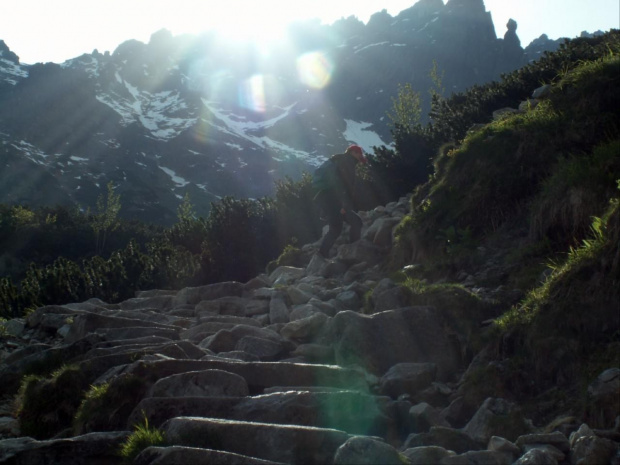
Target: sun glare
(242,22)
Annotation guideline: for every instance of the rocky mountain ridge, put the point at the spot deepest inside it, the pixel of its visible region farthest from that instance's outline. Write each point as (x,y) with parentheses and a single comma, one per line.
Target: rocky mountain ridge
(191,114)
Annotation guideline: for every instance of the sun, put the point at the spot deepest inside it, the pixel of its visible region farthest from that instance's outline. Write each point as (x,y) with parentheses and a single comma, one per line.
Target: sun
(241,21)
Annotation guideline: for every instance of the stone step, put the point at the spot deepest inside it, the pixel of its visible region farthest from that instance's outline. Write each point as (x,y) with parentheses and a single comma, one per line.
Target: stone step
(352,412)
(195,455)
(279,443)
(259,375)
(89,449)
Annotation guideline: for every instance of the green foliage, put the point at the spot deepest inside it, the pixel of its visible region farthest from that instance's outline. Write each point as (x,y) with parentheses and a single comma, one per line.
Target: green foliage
(456,240)
(290,256)
(186,212)
(22,217)
(46,406)
(106,220)
(577,190)
(406,109)
(106,407)
(242,238)
(511,165)
(569,308)
(144,436)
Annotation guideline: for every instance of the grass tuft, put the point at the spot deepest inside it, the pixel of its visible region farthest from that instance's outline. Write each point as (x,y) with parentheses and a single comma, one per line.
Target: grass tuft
(144,436)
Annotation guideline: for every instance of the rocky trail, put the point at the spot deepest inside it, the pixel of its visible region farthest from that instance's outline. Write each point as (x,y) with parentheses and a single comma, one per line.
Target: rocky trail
(320,364)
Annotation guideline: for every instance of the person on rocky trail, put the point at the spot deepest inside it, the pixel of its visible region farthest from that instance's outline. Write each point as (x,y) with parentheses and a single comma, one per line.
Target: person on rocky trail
(334,183)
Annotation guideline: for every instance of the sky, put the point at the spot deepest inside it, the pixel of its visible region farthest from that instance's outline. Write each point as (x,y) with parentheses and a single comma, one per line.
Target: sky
(58,30)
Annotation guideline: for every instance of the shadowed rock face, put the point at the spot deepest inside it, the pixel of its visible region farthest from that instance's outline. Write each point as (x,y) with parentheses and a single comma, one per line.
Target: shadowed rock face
(308,370)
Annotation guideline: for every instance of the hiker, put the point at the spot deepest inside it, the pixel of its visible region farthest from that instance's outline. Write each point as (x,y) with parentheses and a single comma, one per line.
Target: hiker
(334,182)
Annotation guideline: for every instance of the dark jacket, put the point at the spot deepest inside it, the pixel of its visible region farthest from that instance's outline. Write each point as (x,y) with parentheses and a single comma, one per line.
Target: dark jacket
(341,187)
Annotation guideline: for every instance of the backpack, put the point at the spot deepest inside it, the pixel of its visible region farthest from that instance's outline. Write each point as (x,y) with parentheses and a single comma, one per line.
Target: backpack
(324,176)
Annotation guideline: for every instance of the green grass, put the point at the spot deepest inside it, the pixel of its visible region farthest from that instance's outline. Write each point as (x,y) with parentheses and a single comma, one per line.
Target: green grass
(143,436)
(107,407)
(46,406)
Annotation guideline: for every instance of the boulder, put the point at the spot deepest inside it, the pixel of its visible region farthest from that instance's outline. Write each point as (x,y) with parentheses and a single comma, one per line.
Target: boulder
(447,438)
(496,417)
(13,327)
(200,384)
(79,450)
(425,455)
(286,275)
(604,399)
(314,353)
(360,450)
(556,439)
(278,310)
(407,378)
(193,455)
(262,348)
(587,447)
(360,251)
(199,332)
(193,295)
(86,323)
(280,443)
(227,305)
(536,457)
(389,299)
(504,446)
(305,329)
(477,457)
(349,300)
(259,375)
(407,335)
(424,417)
(380,233)
(297,296)
(158,302)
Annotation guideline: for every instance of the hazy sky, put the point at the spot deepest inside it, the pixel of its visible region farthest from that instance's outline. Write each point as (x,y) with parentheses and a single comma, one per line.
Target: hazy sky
(57,30)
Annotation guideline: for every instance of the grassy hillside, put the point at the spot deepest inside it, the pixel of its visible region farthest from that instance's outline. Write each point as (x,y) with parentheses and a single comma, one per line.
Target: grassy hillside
(537,190)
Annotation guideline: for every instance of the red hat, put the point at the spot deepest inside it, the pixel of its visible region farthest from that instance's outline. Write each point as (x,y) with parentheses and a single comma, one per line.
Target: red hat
(357,152)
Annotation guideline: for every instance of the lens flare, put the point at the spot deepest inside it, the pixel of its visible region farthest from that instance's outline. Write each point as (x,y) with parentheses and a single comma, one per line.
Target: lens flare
(314,69)
(252,93)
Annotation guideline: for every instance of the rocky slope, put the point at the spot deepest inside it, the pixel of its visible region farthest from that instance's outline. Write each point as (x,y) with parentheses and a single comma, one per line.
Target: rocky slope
(320,363)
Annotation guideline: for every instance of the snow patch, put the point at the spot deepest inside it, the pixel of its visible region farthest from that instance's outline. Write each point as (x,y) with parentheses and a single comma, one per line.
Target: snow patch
(357,132)
(178,180)
(371,45)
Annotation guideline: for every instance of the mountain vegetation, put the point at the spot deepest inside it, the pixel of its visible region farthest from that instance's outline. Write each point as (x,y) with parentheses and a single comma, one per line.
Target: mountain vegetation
(512,233)
(514,172)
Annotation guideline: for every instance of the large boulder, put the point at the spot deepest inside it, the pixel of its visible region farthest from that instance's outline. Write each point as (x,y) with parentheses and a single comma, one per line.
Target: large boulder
(191,455)
(587,447)
(86,323)
(193,295)
(447,438)
(406,335)
(80,450)
(361,450)
(200,384)
(604,399)
(497,417)
(280,443)
(407,378)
